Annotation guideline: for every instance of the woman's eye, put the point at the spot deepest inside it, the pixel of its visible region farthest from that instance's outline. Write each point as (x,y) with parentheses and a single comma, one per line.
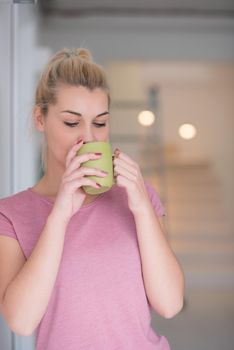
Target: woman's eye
(99,125)
(71,125)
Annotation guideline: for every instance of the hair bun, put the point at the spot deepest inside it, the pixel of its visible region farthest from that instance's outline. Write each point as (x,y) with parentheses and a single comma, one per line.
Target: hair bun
(84,53)
(78,52)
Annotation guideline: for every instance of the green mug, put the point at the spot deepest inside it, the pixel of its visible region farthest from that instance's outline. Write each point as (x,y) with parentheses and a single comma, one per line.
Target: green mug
(103,163)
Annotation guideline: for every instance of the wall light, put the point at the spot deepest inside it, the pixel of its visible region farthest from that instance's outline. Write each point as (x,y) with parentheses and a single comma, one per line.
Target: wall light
(146,118)
(187,131)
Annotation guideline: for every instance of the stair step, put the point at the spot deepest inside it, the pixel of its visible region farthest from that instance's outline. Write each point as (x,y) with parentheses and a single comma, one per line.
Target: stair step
(192,181)
(190,171)
(187,187)
(207,251)
(191,192)
(194,210)
(206,257)
(207,277)
(185,197)
(186,226)
(205,246)
(192,216)
(187,164)
(201,235)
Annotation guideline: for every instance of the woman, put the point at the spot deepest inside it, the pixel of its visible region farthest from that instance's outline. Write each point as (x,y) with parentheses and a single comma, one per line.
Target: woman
(84,270)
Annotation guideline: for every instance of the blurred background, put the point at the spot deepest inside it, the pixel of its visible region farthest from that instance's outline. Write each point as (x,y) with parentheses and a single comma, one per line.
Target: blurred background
(170,65)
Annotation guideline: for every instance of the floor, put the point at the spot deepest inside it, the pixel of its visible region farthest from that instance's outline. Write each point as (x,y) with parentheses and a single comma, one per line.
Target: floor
(205,323)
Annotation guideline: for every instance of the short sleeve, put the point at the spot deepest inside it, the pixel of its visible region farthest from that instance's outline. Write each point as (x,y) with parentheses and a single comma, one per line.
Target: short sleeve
(155,200)
(6,227)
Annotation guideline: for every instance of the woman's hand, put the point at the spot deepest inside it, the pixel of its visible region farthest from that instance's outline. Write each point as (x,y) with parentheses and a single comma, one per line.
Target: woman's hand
(71,196)
(128,175)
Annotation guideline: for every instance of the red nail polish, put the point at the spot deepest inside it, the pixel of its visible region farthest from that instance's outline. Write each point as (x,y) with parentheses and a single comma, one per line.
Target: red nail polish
(98,185)
(79,141)
(98,154)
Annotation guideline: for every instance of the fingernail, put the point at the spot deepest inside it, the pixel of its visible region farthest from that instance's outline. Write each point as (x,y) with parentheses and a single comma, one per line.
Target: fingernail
(98,154)
(99,186)
(117,152)
(79,141)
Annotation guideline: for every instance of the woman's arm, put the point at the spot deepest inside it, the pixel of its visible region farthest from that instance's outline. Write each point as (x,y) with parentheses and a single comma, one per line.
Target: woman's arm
(162,274)
(26,297)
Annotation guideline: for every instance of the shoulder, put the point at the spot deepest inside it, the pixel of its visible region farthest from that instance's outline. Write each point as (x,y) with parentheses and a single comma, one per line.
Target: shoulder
(15,198)
(15,202)
(10,210)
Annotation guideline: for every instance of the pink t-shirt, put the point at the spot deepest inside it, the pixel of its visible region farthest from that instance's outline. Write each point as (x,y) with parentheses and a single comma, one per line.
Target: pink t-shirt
(98,301)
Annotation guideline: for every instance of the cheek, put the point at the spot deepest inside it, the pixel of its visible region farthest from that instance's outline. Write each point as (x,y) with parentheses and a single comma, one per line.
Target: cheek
(53,137)
(58,143)
(105,130)
(103,134)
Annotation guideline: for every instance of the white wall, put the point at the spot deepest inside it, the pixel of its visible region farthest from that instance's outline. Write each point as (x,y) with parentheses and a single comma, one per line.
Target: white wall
(20,62)
(30,59)
(6,337)
(5,92)
(114,38)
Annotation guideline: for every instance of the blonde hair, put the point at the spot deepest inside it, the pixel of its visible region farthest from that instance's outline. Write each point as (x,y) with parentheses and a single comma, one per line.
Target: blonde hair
(70,67)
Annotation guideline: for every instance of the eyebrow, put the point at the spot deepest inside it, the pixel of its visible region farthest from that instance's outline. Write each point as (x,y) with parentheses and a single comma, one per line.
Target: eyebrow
(80,115)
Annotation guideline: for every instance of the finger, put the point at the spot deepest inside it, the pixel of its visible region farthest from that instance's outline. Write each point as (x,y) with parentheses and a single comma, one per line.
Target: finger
(122,181)
(72,153)
(84,181)
(78,160)
(129,167)
(124,156)
(119,170)
(85,171)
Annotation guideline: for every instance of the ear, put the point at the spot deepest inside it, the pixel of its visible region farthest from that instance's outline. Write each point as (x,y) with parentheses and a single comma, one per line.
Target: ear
(39,118)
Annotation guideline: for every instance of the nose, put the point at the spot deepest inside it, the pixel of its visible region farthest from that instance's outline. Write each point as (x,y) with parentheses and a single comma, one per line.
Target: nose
(88,135)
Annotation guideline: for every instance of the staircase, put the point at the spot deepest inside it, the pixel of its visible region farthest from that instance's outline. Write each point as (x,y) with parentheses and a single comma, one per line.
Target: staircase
(199,229)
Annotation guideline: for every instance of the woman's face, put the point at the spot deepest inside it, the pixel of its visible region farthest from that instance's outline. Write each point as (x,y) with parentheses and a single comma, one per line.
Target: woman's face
(78,113)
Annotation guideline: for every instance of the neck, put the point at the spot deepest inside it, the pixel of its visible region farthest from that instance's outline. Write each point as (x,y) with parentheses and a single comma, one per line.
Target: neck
(49,183)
